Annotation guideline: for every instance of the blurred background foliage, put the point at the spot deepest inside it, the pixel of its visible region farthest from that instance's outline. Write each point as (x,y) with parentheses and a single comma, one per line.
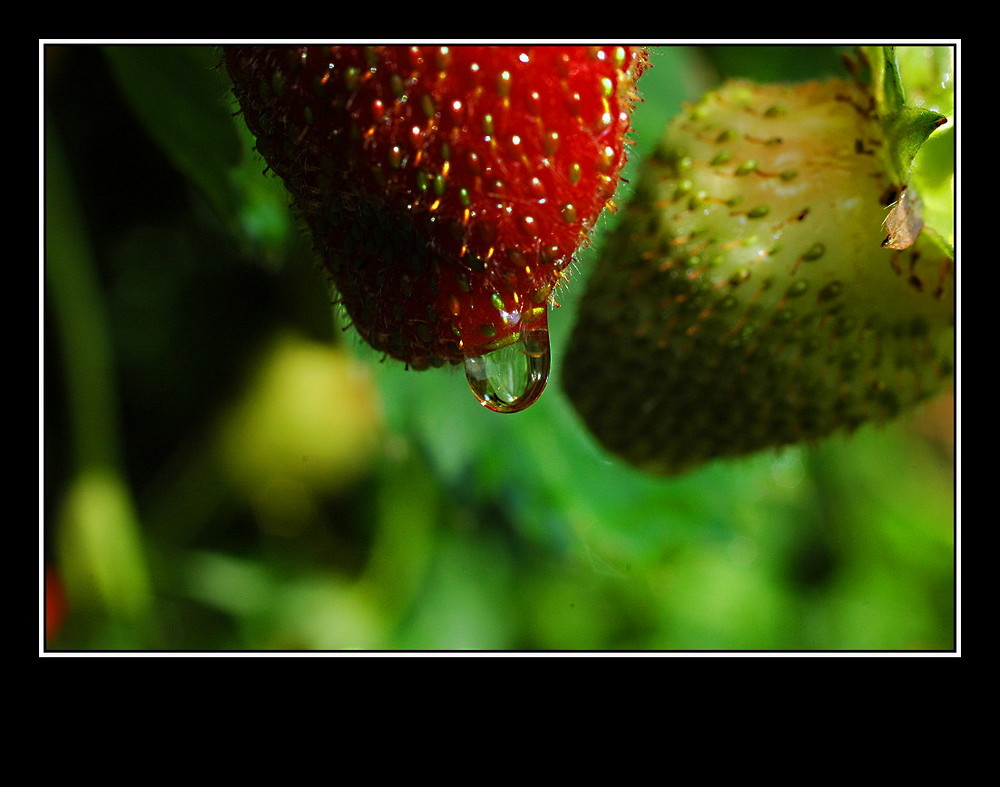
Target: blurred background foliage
(226,468)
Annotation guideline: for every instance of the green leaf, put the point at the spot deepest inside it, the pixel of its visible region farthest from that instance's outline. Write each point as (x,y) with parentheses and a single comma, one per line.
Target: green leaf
(909,130)
(907,126)
(178,94)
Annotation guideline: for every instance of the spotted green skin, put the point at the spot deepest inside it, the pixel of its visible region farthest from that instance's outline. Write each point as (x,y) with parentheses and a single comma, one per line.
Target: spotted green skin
(746,301)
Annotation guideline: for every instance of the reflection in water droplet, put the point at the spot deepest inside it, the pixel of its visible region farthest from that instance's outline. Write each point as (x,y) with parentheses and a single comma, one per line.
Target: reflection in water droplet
(511,378)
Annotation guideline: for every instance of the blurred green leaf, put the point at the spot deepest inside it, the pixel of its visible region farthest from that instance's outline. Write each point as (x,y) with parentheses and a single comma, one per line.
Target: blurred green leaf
(775,62)
(180,96)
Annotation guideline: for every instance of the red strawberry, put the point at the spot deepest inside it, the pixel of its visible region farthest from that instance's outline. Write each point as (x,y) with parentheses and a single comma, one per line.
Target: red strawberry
(447,188)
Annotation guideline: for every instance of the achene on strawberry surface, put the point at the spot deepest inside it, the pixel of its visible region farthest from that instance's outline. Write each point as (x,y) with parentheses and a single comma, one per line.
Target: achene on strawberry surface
(447,188)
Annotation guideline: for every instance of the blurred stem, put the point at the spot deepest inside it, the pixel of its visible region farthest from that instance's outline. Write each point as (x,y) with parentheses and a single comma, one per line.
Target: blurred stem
(100,542)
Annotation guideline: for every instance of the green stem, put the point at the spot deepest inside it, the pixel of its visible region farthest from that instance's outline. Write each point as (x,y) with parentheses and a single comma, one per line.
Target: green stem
(101,550)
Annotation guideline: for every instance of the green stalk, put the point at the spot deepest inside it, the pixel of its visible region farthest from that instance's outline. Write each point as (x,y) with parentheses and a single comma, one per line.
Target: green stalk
(100,544)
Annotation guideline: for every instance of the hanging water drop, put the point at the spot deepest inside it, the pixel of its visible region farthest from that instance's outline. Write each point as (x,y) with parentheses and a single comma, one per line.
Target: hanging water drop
(511,378)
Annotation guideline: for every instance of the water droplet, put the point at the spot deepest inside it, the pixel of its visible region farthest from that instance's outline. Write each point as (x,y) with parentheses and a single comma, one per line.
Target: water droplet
(511,378)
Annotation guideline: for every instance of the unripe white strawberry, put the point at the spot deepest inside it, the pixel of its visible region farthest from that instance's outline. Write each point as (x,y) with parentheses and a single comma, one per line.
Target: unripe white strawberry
(751,297)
